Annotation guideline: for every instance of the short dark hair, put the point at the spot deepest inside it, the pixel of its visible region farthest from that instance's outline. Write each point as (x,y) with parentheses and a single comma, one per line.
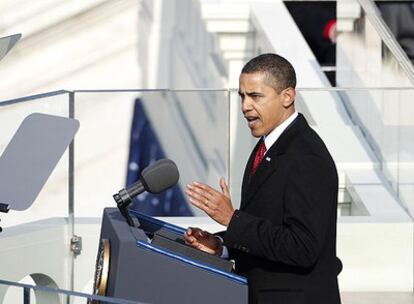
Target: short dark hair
(279,72)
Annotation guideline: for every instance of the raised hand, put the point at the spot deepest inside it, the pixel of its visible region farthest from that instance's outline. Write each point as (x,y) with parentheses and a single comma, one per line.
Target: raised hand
(216,204)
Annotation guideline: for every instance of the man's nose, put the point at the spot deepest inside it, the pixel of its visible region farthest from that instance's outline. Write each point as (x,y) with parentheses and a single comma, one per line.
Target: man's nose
(246,104)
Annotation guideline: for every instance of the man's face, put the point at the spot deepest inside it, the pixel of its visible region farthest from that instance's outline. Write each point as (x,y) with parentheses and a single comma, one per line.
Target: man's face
(263,107)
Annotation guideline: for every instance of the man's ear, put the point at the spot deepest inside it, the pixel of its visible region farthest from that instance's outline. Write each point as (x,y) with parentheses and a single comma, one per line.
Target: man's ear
(288,95)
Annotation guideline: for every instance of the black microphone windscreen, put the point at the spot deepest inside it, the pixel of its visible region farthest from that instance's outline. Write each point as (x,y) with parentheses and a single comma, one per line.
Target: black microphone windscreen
(160,176)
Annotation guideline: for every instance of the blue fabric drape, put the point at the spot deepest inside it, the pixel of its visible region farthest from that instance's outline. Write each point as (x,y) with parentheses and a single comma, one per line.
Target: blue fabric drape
(145,149)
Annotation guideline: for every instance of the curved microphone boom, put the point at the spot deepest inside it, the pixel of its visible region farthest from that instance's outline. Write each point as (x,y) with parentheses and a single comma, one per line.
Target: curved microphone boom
(155,178)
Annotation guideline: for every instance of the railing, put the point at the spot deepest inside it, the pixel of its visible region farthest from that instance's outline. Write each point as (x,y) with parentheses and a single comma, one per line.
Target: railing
(30,294)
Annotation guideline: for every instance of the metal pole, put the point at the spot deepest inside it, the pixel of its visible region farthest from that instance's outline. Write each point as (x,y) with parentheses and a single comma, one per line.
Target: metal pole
(71,196)
(26,295)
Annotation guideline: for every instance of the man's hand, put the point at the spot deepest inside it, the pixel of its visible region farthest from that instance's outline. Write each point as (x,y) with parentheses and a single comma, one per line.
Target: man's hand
(216,204)
(204,241)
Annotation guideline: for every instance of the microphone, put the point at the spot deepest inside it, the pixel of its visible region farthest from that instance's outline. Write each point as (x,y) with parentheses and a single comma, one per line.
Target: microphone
(155,178)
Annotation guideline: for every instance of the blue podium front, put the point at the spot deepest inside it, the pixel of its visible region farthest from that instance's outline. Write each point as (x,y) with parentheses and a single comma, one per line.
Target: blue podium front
(152,264)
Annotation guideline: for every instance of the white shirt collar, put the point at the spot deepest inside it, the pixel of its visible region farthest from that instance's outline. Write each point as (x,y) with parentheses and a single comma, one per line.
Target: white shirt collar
(271,138)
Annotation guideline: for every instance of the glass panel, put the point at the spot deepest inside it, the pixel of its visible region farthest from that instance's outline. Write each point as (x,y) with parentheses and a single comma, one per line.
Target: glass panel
(404,125)
(188,126)
(385,118)
(52,200)
(101,149)
(40,231)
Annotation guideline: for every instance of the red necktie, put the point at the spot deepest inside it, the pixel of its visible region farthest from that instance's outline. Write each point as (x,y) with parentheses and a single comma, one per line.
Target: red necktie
(258,157)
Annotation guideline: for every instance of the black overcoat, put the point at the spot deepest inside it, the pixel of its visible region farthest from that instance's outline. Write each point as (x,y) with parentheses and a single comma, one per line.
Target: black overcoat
(283,238)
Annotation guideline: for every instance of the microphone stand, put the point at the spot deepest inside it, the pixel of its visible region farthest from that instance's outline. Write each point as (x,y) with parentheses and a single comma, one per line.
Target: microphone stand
(123,200)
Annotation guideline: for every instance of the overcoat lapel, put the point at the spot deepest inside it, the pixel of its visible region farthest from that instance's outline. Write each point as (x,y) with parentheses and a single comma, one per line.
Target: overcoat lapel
(273,157)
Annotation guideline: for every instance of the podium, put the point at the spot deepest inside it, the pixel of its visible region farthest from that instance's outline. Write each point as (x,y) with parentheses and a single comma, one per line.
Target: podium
(152,264)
